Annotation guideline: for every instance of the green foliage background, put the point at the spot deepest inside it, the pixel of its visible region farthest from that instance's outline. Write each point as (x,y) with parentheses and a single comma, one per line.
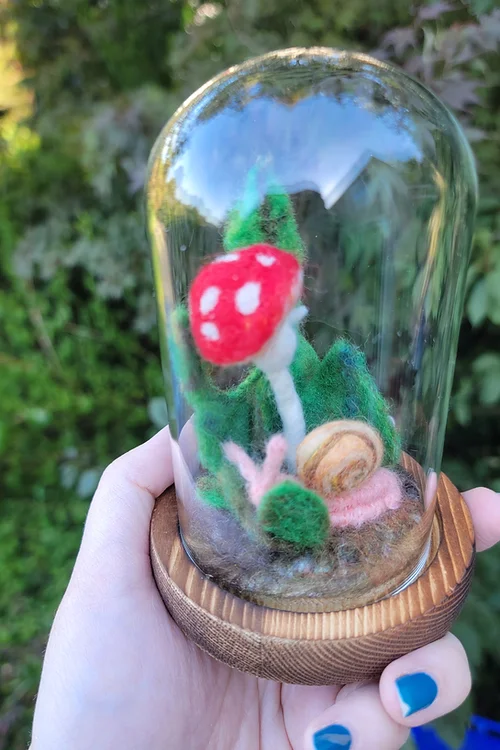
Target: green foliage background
(86,86)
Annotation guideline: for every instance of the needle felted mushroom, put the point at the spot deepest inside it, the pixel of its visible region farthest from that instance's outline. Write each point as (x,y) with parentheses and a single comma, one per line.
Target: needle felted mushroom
(242,308)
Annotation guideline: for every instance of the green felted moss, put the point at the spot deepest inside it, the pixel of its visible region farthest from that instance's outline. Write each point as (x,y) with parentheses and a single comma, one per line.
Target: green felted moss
(243,231)
(344,373)
(210,492)
(290,513)
(281,226)
(273,222)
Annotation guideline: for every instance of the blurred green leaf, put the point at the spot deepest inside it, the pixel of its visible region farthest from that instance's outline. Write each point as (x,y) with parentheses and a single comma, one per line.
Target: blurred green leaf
(487,368)
(88,481)
(477,304)
(157,410)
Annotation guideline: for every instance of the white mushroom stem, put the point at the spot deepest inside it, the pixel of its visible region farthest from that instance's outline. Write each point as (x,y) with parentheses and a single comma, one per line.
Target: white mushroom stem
(274,362)
(290,411)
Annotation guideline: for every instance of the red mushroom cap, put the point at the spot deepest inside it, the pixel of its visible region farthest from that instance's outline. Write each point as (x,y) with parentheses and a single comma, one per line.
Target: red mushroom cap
(237,302)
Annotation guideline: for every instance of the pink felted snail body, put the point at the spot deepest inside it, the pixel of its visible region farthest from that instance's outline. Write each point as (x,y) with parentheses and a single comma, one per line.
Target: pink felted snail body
(381,492)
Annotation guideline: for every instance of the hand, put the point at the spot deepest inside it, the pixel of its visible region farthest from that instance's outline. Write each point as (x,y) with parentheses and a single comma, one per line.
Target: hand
(119,675)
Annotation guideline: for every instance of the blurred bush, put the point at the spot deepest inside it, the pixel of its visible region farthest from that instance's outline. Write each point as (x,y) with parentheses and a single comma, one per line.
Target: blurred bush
(86,88)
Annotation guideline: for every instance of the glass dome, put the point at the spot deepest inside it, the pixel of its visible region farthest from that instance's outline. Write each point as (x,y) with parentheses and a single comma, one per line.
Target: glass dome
(310,215)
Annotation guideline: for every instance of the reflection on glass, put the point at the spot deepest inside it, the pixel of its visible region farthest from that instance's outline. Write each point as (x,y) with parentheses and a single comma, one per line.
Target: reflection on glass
(310,217)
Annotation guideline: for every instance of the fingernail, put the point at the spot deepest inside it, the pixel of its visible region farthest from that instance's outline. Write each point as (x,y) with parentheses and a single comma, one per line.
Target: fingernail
(334,737)
(416,692)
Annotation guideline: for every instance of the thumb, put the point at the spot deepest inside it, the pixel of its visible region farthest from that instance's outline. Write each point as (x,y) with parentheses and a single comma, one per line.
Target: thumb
(115,544)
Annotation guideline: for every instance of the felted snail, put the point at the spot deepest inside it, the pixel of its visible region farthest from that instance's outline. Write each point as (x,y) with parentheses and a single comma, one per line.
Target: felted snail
(339,456)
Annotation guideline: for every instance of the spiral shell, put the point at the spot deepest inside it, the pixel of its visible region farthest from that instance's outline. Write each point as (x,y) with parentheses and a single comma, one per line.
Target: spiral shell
(339,456)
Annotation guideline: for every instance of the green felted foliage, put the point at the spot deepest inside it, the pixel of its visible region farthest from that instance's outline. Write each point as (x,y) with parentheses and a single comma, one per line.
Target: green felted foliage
(281,225)
(337,387)
(243,231)
(273,222)
(345,374)
(290,513)
(210,492)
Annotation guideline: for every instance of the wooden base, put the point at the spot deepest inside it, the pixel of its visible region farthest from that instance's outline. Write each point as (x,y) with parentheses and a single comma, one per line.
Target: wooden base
(316,648)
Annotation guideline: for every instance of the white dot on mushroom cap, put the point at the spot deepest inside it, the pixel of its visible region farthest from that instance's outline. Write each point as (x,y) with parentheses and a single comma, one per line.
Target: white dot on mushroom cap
(265,260)
(209,299)
(210,331)
(229,258)
(247,299)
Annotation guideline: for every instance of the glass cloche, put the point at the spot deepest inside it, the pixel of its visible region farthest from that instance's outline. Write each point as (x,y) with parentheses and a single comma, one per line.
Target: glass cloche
(310,215)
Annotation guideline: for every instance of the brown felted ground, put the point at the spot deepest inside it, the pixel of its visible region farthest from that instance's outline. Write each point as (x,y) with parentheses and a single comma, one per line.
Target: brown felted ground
(356,566)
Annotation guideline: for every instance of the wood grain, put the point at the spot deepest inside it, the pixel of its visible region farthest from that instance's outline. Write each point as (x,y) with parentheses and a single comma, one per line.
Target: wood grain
(317,648)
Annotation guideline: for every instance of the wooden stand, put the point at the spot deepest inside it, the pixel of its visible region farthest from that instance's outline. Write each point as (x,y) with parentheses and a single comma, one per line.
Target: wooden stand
(317,648)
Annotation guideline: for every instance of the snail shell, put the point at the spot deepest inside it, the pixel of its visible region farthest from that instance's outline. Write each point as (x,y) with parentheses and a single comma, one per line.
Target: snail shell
(339,456)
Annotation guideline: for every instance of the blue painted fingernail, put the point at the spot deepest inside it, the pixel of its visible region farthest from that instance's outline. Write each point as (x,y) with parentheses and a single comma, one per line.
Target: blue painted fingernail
(334,737)
(416,692)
